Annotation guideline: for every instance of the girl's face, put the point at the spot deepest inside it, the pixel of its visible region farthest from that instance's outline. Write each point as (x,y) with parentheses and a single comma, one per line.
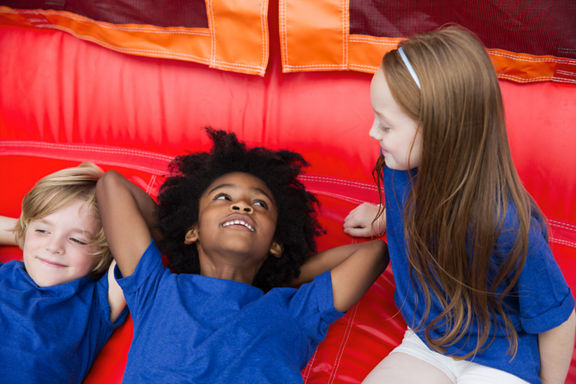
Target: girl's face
(398,135)
(237,221)
(57,247)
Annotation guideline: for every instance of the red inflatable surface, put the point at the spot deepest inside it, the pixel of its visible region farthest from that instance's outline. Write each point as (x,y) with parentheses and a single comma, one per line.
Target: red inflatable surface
(64,100)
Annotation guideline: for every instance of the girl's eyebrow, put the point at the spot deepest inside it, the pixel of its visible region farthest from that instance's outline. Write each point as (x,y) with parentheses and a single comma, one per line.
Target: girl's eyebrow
(381,117)
(233,186)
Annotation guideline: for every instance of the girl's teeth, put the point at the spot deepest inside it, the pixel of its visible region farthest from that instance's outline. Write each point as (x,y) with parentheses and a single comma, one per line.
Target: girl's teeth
(238,222)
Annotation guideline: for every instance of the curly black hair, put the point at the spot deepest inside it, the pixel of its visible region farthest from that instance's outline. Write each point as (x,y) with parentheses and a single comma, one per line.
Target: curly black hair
(192,174)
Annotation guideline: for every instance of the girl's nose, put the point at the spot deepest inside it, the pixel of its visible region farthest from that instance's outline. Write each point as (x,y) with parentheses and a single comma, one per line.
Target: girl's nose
(374,131)
(242,207)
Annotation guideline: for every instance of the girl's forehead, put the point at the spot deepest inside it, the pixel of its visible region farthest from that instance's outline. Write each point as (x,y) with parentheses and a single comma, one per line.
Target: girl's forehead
(379,91)
(240,180)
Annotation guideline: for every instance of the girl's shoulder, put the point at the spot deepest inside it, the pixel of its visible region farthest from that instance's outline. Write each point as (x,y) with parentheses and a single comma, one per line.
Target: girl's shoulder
(398,181)
(512,220)
(537,231)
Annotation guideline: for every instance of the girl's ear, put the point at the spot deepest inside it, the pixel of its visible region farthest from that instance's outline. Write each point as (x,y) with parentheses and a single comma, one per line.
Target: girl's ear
(276,249)
(192,235)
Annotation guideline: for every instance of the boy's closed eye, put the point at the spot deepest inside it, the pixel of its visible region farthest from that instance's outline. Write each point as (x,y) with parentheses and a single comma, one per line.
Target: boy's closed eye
(78,241)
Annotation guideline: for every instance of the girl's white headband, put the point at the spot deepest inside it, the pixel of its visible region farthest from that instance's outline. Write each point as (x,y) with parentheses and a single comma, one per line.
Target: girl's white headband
(409,67)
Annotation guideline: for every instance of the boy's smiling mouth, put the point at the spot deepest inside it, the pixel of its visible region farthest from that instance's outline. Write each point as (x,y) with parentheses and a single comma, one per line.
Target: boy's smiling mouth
(51,263)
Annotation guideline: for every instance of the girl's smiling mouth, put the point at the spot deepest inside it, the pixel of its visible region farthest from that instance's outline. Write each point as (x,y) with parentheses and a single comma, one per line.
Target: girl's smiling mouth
(240,222)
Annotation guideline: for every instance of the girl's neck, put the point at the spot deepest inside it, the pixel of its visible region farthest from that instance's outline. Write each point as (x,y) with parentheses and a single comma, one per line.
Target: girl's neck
(228,271)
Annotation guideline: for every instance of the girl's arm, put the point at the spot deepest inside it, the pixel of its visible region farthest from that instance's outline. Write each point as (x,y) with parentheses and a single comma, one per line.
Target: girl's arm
(324,261)
(556,347)
(354,268)
(129,219)
(7,225)
(352,278)
(360,221)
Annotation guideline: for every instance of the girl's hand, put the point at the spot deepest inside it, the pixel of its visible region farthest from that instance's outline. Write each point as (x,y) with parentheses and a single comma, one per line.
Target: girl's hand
(360,221)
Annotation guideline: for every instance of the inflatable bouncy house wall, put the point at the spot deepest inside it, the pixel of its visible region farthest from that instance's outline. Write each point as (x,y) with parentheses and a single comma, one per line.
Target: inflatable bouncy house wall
(131,84)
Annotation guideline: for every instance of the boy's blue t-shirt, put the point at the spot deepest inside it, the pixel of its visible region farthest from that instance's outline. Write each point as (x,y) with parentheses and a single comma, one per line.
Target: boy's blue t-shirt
(540,301)
(195,329)
(51,334)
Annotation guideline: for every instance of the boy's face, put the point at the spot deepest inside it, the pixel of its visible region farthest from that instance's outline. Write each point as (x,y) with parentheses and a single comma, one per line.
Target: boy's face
(56,248)
(237,220)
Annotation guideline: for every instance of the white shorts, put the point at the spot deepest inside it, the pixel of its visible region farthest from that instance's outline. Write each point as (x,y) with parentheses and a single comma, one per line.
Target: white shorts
(458,371)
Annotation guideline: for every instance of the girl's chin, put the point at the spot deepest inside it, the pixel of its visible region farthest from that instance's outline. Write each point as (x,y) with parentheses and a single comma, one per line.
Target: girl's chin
(395,166)
(391,163)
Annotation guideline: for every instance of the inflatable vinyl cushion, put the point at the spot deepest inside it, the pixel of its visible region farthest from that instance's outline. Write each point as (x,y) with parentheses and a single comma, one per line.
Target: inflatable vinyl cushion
(63,101)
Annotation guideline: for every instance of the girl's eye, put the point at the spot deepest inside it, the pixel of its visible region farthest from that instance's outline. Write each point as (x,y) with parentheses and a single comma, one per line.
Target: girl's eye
(261,203)
(222,196)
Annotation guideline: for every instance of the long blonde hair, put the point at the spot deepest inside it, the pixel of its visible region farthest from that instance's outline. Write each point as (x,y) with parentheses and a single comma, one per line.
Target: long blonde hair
(464,187)
(56,191)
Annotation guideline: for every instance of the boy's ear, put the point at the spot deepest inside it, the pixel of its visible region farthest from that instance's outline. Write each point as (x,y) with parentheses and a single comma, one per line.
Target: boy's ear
(192,235)
(276,249)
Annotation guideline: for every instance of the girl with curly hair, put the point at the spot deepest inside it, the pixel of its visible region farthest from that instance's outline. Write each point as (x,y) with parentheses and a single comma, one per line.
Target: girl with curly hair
(237,227)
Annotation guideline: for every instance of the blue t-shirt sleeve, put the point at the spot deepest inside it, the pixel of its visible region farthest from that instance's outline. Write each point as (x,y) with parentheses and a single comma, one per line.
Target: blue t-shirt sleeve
(313,306)
(545,298)
(141,287)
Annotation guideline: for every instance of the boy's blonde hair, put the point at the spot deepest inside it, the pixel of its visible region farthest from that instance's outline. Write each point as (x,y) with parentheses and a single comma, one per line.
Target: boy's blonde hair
(56,191)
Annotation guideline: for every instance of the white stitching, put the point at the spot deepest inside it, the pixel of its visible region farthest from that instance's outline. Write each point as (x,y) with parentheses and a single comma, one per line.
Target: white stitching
(344,342)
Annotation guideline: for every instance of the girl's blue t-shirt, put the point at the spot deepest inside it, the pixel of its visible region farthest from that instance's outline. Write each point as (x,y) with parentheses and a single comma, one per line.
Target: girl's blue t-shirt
(195,329)
(540,301)
(51,334)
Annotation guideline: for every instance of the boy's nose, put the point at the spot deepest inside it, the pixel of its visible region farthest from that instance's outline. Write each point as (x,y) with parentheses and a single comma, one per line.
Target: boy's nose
(242,207)
(55,246)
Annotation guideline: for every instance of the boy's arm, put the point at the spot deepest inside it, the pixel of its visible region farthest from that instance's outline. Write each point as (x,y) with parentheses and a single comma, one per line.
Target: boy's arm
(7,225)
(556,347)
(129,219)
(116,298)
